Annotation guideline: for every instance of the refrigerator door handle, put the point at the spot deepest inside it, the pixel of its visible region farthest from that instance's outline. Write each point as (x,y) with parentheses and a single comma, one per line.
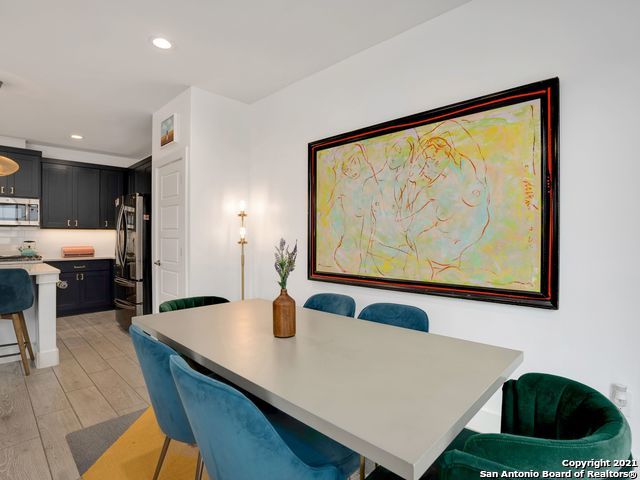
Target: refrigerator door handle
(119,254)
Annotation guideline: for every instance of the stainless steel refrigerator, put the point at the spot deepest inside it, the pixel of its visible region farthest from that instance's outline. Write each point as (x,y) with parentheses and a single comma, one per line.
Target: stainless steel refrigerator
(132,282)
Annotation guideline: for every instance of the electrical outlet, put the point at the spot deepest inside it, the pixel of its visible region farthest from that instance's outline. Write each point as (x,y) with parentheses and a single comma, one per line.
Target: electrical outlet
(620,397)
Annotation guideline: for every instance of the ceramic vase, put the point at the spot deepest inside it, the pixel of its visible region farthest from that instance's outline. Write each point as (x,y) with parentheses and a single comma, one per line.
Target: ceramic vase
(284,315)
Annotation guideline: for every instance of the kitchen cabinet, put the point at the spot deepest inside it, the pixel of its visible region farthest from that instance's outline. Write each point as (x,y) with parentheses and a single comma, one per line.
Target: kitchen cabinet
(79,195)
(57,203)
(86,189)
(111,187)
(85,286)
(25,183)
(139,177)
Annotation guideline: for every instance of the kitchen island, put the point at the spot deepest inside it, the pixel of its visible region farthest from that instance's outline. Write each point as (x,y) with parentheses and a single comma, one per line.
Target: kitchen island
(40,318)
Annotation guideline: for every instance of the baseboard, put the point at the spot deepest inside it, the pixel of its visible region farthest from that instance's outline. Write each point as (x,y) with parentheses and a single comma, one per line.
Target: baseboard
(48,358)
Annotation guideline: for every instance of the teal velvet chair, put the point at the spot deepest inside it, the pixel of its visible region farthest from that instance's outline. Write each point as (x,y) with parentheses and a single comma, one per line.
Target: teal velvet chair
(332,303)
(16,296)
(545,419)
(190,302)
(165,400)
(238,442)
(396,314)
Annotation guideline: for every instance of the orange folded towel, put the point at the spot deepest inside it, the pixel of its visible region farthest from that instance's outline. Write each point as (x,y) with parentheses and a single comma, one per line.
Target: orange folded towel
(84,251)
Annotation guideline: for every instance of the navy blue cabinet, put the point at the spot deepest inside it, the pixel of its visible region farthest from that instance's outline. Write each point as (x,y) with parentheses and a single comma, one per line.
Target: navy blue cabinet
(57,203)
(85,286)
(139,177)
(111,187)
(25,183)
(86,191)
(79,195)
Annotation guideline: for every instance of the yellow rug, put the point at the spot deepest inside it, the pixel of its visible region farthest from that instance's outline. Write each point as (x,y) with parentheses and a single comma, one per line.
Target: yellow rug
(135,454)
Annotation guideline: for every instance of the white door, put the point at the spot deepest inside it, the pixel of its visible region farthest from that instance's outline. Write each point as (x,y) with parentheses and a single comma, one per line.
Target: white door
(169,227)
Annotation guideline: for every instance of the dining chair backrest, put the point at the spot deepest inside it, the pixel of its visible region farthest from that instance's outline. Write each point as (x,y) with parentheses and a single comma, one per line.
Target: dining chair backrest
(236,440)
(16,290)
(167,406)
(396,314)
(190,302)
(332,303)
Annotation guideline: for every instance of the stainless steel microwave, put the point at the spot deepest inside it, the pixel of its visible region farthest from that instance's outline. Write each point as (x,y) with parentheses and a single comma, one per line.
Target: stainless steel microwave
(19,212)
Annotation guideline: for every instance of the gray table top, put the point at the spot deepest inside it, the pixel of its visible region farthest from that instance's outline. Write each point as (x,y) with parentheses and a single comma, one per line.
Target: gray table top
(396,396)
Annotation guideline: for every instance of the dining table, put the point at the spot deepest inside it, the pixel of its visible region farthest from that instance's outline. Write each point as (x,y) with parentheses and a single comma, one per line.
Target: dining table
(394,395)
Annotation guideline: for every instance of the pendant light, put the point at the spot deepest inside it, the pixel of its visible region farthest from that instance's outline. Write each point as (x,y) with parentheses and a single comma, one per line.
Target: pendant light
(8,166)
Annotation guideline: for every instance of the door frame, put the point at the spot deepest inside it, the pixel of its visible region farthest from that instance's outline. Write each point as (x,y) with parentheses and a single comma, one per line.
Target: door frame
(156,165)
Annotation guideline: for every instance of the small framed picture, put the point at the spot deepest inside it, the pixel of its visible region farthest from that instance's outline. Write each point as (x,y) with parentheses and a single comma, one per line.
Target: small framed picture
(169,130)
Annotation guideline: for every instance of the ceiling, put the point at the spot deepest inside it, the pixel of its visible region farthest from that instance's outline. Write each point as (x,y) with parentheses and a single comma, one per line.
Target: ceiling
(88,67)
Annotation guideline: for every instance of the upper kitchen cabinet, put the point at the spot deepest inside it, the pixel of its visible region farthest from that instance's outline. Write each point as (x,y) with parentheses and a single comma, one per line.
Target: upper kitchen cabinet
(86,190)
(111,187)
(79,195)
(25,183)
(57,204)
(139,177)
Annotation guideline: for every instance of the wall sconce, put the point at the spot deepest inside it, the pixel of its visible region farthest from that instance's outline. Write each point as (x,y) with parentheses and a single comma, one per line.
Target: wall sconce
(243,241)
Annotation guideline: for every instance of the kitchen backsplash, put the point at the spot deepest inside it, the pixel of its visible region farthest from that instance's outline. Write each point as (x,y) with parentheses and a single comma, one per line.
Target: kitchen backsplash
(50,242)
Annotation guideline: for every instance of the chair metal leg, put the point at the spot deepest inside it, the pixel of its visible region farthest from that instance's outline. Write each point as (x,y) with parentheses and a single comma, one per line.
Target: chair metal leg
(362,464)
(163,453)
(17,327)
(199,467)
(25,332)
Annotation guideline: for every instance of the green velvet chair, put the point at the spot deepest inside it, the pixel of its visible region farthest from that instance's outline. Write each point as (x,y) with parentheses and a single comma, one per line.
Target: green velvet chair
(545,419)
(191,302)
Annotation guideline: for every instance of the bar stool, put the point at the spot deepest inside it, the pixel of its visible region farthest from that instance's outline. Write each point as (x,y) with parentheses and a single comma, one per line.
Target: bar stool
(16,296)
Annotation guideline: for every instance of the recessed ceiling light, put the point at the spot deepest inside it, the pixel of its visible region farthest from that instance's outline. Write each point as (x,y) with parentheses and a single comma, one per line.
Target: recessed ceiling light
(161,43)
(75,136)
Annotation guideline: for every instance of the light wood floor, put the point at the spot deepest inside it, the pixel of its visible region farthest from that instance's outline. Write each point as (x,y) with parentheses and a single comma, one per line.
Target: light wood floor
(98,379)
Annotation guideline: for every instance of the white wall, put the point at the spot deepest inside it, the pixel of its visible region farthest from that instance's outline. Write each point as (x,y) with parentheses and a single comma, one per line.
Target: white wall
(218,180)
(13,142)
(214,129)
(484,47)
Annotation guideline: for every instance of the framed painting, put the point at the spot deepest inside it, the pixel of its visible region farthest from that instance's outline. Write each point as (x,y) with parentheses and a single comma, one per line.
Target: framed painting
(460,201)
(169,130)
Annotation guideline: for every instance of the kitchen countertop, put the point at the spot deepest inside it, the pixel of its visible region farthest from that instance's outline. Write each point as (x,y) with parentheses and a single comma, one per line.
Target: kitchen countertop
(34,269)
(67,259)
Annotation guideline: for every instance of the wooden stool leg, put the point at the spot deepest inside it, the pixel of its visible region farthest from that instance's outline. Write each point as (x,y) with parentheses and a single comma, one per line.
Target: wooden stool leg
(17,327)
(25,331)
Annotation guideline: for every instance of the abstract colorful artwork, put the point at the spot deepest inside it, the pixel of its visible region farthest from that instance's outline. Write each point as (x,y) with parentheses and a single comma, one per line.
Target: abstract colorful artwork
(459,201)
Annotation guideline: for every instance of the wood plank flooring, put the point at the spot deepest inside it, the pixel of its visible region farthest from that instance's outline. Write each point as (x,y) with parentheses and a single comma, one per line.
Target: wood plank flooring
(98,378)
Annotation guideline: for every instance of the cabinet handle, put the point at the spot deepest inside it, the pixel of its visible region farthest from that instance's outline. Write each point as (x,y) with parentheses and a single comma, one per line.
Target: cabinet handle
(77,276)
(78,267)
(68,223)
(76,223)
(62,285)
(11,190)
(106,223)
(1,189)
(82,276)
